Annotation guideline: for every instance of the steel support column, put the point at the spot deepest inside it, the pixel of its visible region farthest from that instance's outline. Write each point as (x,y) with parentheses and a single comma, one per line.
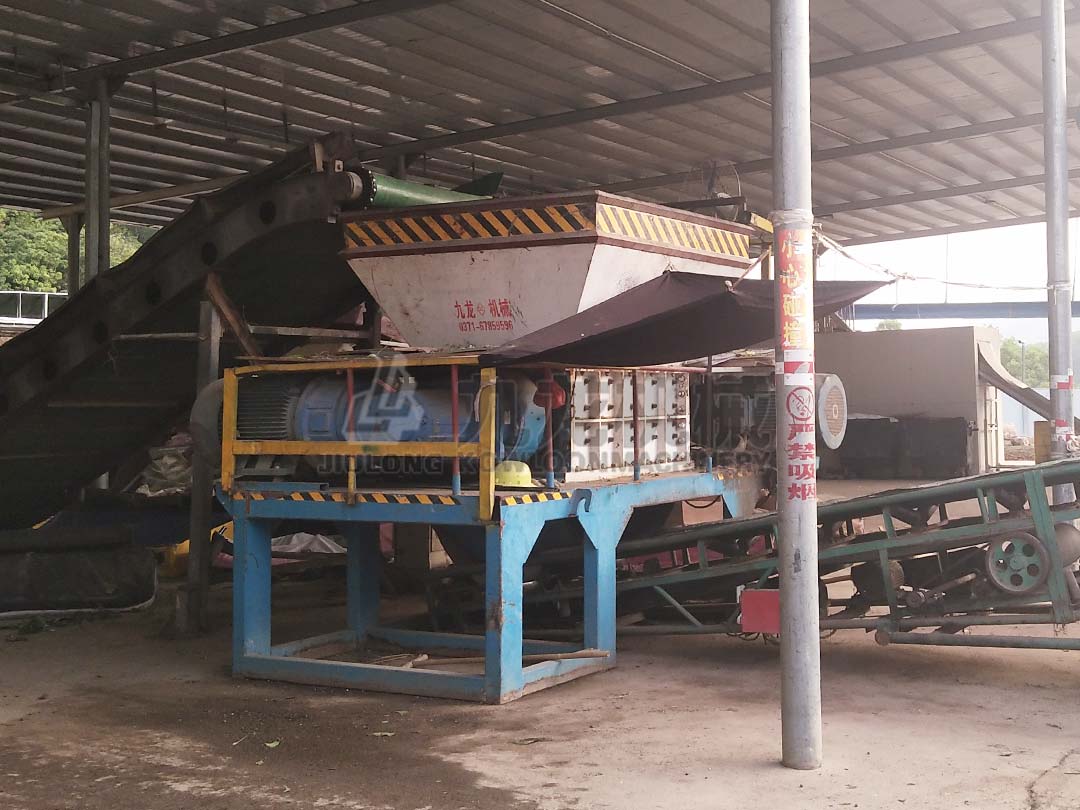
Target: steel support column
(796,473)
(97,180)
(191,614)
(73,225)
(1059,292)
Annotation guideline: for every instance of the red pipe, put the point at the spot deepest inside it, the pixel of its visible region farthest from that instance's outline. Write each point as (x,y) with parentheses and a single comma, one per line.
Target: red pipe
(637,415)
(548,401)
(454,394)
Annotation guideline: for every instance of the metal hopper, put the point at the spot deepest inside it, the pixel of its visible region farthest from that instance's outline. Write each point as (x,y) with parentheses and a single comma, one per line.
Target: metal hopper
(478,274)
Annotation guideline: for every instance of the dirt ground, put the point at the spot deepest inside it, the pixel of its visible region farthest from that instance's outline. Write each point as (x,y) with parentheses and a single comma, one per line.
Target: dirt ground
(111,714)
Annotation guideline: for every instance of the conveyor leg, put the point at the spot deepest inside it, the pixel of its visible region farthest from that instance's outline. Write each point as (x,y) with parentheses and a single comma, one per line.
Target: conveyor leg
(251,589)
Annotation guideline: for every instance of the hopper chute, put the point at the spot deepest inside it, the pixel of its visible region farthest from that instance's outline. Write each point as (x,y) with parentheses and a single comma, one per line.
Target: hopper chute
(479,274)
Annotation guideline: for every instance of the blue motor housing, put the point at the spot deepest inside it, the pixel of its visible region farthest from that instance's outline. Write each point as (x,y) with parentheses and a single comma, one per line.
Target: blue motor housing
(402,409)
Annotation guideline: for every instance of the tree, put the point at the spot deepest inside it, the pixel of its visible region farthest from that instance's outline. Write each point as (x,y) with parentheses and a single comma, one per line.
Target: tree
(889,325)
(1029,362)
(33,251)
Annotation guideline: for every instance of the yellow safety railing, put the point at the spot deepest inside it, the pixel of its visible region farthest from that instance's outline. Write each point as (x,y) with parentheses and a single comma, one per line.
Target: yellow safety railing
(484,449)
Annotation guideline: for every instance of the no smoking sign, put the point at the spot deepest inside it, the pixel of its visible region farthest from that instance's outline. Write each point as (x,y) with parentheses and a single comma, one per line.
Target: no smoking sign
(800,404)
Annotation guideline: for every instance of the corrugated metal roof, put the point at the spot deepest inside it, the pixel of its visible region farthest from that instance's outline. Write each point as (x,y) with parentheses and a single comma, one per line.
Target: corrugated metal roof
(926,112)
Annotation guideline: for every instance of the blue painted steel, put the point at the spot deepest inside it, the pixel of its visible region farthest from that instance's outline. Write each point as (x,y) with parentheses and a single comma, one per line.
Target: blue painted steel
(363,563)
(251,590)
(503,678)
(604,521)
(399,409)
(460,514)
(602,510)
(379,678)
(294,647)
(460,641)
(560,670)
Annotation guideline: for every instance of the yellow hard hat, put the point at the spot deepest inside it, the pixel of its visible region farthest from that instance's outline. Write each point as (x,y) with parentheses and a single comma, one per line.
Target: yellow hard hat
(513,474)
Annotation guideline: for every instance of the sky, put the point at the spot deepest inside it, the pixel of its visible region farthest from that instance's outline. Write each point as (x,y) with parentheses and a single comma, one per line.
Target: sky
(998,257)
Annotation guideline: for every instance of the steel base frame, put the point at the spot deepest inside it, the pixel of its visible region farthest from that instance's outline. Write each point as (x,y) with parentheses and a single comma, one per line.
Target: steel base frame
(603,512)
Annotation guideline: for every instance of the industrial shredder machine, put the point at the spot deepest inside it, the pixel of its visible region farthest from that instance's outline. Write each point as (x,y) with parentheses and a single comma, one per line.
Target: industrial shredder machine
(494,457)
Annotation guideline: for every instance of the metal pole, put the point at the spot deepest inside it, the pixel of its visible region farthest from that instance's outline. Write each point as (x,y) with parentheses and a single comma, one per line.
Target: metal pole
(710,434)
(1059,293)
(796,474)
(97,180)
(192,612)
(73,226)
(636,427)
(549,429)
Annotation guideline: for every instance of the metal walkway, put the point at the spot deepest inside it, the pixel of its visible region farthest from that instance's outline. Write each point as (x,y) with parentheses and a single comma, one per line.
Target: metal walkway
(113,369)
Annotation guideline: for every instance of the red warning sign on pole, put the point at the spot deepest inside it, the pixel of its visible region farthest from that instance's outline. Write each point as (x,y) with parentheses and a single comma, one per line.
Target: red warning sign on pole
(795,275)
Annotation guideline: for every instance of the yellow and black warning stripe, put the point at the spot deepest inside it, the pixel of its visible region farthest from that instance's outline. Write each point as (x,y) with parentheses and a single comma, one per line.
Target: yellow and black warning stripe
(761,223)
(395,230)
(614,220)
(536,497)
(356,497)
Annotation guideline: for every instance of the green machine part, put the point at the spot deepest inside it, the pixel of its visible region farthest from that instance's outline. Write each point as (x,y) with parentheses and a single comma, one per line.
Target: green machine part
(383,191)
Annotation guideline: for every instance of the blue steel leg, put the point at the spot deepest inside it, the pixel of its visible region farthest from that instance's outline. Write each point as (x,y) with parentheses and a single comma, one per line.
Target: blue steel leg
(503,632)
(363,570)
(604,528)
(251,589)
(506,549)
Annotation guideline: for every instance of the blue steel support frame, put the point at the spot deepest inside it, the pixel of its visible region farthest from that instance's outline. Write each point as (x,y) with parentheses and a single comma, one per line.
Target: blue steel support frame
(604,523)
(602,510)
(251,590)
(363,563)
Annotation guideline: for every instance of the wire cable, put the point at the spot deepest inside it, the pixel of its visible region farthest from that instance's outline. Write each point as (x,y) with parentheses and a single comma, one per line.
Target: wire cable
(900,276)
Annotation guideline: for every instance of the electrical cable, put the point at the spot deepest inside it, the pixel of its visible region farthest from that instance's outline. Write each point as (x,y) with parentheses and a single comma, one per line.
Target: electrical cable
(898,276)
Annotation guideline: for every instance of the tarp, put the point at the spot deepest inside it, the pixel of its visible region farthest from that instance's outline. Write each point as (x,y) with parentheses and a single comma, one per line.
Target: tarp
(672,318)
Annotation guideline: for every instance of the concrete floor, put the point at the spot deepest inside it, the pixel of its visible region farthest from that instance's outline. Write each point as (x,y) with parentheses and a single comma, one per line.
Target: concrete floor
(111,714)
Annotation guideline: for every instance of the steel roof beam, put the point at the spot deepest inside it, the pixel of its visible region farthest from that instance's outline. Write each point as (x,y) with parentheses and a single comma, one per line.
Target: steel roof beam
(64,192)
(708,92)
(153,195)
(18,198)
(851,150)
(70,168)
(262,35)
(952,229)
(935,194)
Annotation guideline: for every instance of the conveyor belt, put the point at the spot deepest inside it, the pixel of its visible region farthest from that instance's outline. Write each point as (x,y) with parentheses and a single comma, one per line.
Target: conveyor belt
(81,394)
(995,374)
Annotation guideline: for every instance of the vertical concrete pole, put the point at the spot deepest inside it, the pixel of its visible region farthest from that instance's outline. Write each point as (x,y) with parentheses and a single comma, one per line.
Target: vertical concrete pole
(796,473)
(1059,292)
(97,180)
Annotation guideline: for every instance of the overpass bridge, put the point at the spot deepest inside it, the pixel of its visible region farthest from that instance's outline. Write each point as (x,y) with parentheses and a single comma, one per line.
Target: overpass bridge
(973,310)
